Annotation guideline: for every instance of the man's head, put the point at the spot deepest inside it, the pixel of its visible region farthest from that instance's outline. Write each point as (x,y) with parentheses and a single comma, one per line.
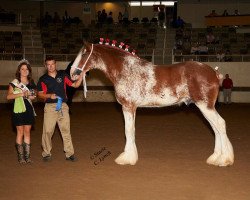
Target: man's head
(227,75)
(50,64)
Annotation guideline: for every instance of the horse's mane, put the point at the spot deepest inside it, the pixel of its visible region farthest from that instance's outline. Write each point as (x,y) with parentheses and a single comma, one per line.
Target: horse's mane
(120,46)
(120,50)
(115,49)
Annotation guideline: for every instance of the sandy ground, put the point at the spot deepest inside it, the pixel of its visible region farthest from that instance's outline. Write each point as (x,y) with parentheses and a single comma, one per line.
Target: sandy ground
(173,144)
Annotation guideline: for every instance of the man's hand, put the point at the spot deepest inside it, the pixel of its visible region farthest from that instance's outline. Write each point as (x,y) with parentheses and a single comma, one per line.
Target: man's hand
(78,82)
(53,96)
(46,96)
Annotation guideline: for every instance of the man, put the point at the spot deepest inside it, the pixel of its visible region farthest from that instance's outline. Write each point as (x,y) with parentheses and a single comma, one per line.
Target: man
(51,88)
(227,86)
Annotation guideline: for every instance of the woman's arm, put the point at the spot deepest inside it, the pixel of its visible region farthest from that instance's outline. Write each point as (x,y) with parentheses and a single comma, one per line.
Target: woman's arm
(11,95)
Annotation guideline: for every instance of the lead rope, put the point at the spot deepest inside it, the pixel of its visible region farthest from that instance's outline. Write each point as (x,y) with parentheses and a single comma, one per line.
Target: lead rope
(84,86)
(84,77)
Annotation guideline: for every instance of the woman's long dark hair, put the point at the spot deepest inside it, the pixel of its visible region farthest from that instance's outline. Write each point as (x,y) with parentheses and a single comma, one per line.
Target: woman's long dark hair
(18,74)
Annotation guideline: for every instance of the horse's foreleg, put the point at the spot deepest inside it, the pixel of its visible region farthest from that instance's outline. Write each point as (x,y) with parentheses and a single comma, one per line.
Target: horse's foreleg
(129,156)
(223,152)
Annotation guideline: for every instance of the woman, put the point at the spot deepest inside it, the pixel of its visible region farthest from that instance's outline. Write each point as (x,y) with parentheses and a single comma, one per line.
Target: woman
(120,17)
(23,91)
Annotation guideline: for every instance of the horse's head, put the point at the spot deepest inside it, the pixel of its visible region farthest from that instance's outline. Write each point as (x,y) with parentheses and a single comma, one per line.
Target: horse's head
(81,63)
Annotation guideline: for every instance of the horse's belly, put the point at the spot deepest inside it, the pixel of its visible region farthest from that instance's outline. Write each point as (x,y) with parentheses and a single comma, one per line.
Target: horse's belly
(148,98)
(159,100)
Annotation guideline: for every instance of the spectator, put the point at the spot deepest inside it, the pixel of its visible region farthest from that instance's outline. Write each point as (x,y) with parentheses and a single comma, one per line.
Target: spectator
(179,22)
(228,56)
(210,38)
(194,48)
(236,12)
(220,55)
(110,18)
(225,13)
(66,18)
(202,49)
(161,16)
(120,17)
(178,44)
(47,19)
(56,18)
(126,14)
(178,33)
(99,16)
(213,14)
(103,16)
(227,86)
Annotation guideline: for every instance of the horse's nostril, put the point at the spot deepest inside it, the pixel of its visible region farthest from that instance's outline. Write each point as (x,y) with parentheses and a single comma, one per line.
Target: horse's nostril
(77,72)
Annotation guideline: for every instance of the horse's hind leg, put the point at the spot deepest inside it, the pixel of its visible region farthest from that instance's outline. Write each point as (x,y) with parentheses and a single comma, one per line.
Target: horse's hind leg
(129,156)
(223,152)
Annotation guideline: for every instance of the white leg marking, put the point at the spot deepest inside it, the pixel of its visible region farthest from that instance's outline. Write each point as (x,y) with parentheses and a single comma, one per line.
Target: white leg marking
(223,151)
(130,155)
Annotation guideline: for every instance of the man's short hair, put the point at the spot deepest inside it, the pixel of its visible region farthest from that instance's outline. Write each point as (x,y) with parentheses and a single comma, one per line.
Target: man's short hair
(49,58)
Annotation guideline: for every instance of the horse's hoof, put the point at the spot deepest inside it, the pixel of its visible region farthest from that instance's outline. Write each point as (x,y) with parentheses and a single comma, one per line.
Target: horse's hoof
(124,159)
(212,160)
(220,160)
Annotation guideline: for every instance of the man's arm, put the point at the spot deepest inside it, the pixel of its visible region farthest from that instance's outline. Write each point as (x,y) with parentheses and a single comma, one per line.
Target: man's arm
(78,82)
(45,96)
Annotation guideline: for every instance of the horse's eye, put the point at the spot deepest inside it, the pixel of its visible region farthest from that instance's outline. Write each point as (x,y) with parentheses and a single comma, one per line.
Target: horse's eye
(84,51)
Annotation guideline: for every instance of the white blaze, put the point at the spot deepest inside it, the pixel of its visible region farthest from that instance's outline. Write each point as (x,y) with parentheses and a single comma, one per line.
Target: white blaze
(77,60)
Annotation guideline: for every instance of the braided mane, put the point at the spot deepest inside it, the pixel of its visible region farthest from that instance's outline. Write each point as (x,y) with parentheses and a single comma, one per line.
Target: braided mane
(122,46)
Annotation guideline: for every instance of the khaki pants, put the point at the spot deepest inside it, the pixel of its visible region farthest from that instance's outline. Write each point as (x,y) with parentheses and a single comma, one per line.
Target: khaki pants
(227,95)
(51,117)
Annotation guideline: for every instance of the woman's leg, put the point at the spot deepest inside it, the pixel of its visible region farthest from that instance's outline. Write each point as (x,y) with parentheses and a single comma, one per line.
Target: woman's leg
(20,134)
(27,129)
(26,143)
(19,144)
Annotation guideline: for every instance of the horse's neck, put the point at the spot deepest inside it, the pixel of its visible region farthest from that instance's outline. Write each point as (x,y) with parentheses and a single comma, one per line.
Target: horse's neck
(109,72)
(109,68)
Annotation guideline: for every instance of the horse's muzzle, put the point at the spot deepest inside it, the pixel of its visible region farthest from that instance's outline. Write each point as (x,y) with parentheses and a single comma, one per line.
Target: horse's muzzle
(77,72)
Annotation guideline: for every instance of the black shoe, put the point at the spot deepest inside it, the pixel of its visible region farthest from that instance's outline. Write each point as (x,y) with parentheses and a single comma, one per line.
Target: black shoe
(72,158)
(47,158)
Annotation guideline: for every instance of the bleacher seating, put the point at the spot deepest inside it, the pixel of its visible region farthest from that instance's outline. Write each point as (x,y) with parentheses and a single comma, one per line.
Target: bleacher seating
(67,39)
(7,17)
(226,38)
(11,45)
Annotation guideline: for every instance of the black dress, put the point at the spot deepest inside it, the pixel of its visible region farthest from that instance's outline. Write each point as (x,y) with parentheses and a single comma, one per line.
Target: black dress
(27,117)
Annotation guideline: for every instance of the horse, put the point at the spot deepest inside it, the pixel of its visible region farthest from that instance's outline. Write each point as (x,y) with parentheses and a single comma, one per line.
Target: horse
(139,83)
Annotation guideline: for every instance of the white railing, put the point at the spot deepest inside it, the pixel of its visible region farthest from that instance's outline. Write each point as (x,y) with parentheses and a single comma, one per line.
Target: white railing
(209,58)
(70,57)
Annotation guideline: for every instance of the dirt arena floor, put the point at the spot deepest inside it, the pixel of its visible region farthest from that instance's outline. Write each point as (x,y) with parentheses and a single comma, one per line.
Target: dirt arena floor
(173,145)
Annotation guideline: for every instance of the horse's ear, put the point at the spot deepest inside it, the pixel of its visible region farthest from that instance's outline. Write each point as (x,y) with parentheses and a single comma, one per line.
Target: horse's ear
(87,45)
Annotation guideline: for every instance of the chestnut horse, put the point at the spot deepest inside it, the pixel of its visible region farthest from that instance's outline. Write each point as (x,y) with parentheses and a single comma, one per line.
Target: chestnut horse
(138,83)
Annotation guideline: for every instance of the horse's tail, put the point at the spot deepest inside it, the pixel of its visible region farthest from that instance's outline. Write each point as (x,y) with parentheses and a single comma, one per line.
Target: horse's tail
(218,74)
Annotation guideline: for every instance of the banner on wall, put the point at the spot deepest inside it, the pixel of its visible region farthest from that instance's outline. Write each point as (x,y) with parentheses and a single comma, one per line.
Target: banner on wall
(86,9)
